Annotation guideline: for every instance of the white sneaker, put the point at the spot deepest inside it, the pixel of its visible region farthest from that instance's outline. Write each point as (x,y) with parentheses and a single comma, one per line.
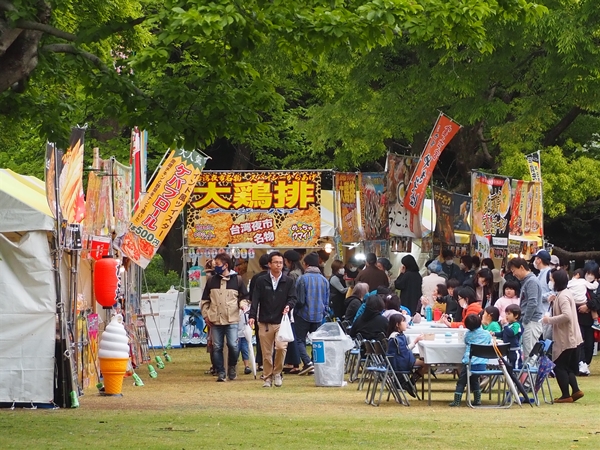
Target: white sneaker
(277,380)
(583,368)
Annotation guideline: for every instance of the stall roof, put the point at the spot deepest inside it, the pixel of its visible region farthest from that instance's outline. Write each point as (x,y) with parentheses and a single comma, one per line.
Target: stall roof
(23,203)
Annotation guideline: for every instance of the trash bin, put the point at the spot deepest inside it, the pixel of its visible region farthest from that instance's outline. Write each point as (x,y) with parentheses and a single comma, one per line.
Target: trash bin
(329,347)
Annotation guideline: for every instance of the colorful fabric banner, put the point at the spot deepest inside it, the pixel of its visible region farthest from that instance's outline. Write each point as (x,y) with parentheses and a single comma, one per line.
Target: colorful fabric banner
(270,209)
(122,196)
(444,220)
(373,206)
(461,212)
(526,211)
(99,219)
(72,200)
(402,222)
(168,194)
(443,132)
(345,185)
(491,209)
(535,166)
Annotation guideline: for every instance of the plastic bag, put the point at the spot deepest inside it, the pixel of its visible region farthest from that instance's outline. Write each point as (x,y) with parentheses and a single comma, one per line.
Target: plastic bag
(285,333)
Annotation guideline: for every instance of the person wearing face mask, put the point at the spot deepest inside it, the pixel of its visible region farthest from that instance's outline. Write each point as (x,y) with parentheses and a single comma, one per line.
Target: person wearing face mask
(449,267)
(541,263)
(220,309)
(337,289)
(585,313)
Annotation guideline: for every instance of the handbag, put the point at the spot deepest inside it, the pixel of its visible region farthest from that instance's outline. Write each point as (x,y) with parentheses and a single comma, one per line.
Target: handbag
(285,333)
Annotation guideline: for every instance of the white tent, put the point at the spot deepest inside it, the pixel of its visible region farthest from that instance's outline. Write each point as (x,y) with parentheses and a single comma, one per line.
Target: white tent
(27,291)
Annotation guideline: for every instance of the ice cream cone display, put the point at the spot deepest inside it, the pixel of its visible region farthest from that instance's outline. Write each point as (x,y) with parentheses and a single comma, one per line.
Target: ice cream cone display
(114,355)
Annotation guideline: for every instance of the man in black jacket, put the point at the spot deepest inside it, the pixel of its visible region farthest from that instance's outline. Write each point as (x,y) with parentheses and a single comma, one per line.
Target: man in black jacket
(275,294)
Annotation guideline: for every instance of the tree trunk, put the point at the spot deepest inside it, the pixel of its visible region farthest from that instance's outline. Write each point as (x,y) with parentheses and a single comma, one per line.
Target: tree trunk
(578,257)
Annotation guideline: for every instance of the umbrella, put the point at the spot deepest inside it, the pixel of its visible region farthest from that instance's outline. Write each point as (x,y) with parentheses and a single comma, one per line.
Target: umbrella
(511,378)
(248,335)
(545,366)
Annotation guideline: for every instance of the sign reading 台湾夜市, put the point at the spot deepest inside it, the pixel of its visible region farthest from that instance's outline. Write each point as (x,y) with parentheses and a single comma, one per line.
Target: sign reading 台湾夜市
(273,209)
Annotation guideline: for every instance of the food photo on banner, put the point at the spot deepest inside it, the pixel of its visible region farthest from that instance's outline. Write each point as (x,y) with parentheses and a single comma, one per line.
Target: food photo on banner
(268,209)
(491,203)
(461,213)
(526,211)
(374,206)
(345,185)
(160,207)
(402,222)
(444,221)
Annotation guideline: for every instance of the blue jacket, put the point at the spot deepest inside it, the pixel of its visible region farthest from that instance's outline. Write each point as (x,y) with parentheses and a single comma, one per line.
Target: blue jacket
(401,357)
(479,337)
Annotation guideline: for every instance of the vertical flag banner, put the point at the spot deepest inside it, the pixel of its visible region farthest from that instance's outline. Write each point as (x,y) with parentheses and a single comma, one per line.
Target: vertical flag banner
(444,221)
(156,213)
(535,166)
(72,200)
(443,132)
(373,205)
(135,160)
(402,222)
(52,171)
(270,209)
(491,210)
(461,212)
(345,185)
(526,211)
(122,196)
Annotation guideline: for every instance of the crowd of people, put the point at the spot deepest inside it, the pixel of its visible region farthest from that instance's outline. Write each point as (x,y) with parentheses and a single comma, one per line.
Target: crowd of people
(523,302)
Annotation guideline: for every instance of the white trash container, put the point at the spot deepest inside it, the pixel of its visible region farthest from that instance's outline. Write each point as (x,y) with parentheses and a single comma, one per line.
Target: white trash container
(329,347)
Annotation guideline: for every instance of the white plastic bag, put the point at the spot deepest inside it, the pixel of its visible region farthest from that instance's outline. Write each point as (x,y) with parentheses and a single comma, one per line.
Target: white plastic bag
(285,333)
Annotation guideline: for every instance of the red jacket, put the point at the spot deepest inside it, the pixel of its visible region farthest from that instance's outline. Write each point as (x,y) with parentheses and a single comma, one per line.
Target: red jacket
(473,308)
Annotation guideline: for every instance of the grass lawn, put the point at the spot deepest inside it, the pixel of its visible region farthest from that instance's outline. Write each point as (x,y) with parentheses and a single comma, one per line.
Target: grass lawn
(185,409)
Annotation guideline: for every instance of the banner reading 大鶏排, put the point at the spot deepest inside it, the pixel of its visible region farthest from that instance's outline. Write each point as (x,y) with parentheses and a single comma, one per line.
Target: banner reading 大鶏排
(345,185)
(373,206)
(159,209)
(491,210)
(402,222)
(526,211)
(274,209)
(444,220)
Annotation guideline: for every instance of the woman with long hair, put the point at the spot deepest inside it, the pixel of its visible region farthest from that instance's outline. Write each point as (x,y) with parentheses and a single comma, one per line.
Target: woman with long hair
(337,289)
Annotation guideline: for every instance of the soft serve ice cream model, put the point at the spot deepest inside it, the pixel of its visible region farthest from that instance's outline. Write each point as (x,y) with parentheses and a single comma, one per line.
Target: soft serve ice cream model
(114,355)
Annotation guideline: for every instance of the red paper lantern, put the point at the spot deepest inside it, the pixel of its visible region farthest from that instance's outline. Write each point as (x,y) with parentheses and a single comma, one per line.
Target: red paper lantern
(106,281)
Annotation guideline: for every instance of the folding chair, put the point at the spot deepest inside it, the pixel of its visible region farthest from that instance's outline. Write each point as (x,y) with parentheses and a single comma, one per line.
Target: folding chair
(369,353)
(496,374)
(382,377)
(353,357)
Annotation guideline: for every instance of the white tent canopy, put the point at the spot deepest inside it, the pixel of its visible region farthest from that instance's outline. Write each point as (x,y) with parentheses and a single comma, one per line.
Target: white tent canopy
(27,292)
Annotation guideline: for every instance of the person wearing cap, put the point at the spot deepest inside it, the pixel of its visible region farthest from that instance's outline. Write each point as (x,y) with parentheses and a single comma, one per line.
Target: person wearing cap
(372,275)
(312,292)
(554,262)
(541,262)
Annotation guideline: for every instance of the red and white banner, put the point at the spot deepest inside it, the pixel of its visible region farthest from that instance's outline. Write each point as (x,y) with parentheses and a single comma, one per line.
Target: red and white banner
(443,132)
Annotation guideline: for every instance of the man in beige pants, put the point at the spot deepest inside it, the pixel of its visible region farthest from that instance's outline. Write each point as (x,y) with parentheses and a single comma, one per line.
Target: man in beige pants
(274,295)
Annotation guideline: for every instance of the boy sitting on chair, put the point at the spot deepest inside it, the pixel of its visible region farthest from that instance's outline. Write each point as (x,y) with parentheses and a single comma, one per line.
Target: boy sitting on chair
(475,335)
(511,334)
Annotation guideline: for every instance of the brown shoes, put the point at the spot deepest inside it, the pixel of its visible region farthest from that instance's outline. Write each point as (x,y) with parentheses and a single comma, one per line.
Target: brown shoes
(564,400)
(577,395)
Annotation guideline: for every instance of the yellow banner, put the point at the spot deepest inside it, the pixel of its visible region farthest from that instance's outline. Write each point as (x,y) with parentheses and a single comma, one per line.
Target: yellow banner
(170,191)
(274,209)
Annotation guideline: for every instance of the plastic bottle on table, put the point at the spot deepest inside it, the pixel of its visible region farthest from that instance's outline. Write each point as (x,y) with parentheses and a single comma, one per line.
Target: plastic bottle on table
(429,313)
(448,337)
